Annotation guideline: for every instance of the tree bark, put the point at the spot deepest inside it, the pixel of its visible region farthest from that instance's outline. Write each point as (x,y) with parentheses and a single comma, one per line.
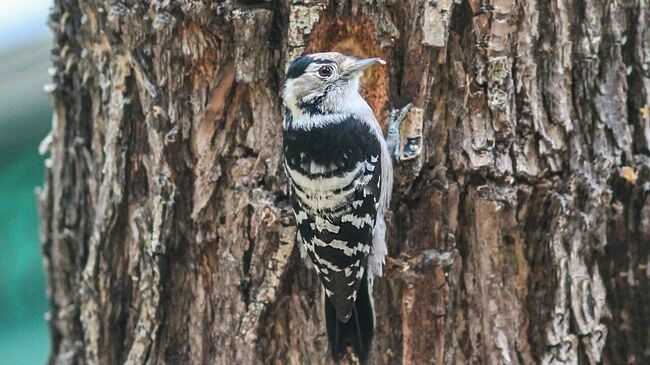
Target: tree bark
(519,235)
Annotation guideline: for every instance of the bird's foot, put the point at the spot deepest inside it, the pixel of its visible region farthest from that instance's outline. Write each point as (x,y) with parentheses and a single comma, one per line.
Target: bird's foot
(397,116)
(405,142)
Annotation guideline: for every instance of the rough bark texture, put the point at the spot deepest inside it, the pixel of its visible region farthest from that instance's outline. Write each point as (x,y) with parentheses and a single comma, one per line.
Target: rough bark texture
(520,234)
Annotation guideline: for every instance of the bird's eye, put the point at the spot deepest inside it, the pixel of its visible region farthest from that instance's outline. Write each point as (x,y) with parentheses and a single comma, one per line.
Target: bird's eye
(325,71)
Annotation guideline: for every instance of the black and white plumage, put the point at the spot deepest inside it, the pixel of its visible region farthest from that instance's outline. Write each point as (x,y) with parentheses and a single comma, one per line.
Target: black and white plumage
(340,177)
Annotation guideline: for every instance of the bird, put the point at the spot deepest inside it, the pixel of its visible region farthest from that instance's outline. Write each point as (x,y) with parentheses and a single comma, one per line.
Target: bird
(340,178)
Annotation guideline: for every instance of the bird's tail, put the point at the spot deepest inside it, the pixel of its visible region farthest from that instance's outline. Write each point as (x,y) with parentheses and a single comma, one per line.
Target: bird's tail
(357,331)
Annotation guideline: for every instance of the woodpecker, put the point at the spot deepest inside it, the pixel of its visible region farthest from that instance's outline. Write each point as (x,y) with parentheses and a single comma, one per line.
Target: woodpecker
(340,179)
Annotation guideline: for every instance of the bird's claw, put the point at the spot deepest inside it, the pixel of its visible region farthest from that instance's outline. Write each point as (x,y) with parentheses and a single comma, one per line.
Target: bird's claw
(397,116)
(404,141)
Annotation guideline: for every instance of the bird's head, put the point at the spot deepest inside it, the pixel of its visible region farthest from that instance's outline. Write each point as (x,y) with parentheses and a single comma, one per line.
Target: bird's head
(325,83)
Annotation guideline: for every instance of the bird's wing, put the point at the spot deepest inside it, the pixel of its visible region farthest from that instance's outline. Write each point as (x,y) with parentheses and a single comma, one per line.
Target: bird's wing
(339,240)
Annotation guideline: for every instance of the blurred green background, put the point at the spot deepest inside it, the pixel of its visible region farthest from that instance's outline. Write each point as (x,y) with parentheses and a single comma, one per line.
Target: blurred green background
(25,117)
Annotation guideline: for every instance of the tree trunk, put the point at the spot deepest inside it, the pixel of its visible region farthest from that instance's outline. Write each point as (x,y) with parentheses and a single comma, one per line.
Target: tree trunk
(519,235)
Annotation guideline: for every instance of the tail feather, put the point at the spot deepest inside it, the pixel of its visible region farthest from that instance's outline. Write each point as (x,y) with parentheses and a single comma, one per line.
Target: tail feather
(357,331)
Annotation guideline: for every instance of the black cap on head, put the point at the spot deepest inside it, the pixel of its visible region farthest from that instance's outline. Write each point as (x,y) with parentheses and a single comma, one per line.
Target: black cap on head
(298,66)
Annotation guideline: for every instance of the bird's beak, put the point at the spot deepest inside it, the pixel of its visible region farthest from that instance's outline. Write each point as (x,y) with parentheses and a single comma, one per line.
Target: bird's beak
(362,64)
